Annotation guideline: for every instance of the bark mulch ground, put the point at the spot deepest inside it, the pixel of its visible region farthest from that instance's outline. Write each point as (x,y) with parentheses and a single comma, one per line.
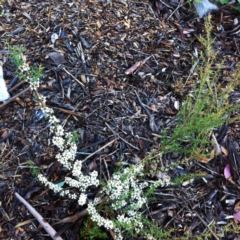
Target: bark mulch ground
(92,88)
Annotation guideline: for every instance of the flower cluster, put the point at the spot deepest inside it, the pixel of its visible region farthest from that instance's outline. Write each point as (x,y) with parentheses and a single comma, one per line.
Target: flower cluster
(150,237)
(48,111)
(42,99)
(126,186)
(33,84)
(83,181)
(108,224)
(25,71)
(125,194)
(66,156)
(50,185)
(25,66)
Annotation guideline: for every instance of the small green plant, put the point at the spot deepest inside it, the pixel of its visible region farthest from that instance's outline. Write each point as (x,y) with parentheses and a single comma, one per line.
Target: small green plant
(33,168)
(226,1)
(221,1)
(16,53)
(189,176)
(91,231)
(204,109)
(2,12)
(33,73)
(75,136)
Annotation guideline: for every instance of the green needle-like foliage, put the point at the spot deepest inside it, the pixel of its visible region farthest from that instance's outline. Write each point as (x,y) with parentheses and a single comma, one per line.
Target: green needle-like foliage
(206,108)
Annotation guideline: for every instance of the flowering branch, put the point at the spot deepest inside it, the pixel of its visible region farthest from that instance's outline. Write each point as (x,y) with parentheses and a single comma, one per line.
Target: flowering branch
(123,194)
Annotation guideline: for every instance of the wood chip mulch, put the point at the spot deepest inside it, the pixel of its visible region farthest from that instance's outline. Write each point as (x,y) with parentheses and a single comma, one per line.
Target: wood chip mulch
(115,71)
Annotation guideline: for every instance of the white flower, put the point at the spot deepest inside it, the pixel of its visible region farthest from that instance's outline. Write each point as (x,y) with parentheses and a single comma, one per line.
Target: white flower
(77,168)
(82,199)
(118,235)
(42,99)
(59,130)
(53,120)
(73,196)
(34,85)
(59,142)
(150,237)
(131,213)
(123,219)
(108,224)
(24,68)
(48,111)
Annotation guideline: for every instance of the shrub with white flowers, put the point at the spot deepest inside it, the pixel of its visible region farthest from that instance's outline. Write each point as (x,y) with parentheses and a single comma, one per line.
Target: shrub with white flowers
(123,193)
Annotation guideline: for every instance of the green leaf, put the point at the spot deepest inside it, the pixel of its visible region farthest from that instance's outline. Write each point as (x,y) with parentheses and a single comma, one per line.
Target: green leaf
(224,1)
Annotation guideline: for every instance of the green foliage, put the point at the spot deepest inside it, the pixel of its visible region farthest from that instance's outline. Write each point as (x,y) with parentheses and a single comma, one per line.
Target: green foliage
(91,231)
(189,176)
(34,73)
(2,12)
(34,169)
(230,228)
(205,108)
(75,136)
(150,228)
(16,53)
(150,192)
(224,1)
(221,1)
(154,230)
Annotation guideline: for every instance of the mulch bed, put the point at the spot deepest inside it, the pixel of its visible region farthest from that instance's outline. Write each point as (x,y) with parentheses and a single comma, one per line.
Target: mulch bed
(104,99)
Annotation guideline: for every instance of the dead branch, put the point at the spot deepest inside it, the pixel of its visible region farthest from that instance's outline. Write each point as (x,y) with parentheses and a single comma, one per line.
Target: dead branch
(13,98)
(40,219)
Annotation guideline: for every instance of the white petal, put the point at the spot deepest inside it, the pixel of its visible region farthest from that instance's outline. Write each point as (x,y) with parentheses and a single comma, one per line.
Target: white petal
(4,95)
(54,37)
(204,7)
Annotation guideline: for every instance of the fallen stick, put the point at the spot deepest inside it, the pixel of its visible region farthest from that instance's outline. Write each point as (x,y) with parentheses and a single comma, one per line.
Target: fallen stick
(136,65)
(13,98)
(79,50)
(100,149)
(17,85)
(70,112)
(73,218)
(40,219)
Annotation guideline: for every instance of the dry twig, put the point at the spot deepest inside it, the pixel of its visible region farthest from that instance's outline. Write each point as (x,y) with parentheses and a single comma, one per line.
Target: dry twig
(101,148)
(13,98)
(40,219)
(73,218)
